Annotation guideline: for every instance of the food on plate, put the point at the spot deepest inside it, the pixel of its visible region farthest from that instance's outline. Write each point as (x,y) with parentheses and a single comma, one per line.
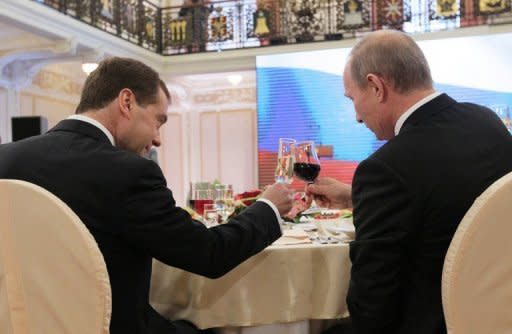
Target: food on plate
(322,214)
(327,215)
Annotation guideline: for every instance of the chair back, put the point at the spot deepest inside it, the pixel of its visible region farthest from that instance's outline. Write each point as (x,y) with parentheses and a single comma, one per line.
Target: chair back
(477,272)
(53,278)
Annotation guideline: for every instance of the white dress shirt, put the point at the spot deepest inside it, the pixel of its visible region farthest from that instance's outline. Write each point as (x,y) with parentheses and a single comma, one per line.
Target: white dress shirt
(97,124)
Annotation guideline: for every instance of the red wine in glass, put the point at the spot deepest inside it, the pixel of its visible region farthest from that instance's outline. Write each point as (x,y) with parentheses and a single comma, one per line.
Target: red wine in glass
(306,171)
(199,205)
(307,165)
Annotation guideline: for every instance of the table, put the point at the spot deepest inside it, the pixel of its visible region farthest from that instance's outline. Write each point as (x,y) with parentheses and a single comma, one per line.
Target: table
(282,284)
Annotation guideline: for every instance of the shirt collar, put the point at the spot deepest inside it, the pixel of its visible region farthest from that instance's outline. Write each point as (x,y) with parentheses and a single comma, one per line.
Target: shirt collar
(401,120)
(97,124)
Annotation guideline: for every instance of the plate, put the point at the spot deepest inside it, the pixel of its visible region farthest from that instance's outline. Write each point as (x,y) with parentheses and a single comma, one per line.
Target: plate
(307,227)
(343,228)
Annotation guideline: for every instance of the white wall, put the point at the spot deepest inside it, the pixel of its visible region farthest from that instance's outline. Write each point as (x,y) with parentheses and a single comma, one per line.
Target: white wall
(211,133)
(4,116)
(50,107)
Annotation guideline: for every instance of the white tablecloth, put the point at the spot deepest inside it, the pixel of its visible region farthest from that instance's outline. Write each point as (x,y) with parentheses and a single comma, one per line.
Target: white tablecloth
(282,284)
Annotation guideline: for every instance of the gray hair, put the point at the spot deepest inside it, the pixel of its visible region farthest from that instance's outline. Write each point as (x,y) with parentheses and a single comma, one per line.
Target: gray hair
(392,55)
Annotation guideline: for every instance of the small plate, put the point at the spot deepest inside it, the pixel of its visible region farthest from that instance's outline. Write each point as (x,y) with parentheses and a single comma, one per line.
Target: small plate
(306,227)
(345,228)
(305,219)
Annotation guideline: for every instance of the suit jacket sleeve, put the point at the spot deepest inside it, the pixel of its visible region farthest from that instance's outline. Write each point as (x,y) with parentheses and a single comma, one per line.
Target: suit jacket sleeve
(383,218)
(156,226)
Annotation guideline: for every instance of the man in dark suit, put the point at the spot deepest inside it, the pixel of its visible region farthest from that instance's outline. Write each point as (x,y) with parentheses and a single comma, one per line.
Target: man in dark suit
(410,195)
(94,162)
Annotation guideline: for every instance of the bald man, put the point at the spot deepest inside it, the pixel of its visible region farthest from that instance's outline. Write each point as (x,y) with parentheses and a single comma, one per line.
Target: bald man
(410,195)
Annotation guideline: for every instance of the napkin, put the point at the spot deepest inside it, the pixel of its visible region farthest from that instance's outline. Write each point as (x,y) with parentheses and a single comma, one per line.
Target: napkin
(293,237)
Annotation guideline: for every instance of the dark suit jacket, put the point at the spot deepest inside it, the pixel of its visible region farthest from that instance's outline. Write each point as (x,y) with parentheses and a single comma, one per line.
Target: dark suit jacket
(123,200)
(409,198)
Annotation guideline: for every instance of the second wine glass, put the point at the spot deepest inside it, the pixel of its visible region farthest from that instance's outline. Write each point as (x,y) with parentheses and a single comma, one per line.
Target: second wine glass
(285,160)
(224,200)
(307,164)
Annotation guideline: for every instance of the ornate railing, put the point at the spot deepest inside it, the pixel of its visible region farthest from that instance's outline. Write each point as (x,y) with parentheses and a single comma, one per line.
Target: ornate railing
(214,25)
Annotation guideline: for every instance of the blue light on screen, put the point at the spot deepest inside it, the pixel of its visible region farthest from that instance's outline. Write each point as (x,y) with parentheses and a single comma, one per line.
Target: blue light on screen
(300,95)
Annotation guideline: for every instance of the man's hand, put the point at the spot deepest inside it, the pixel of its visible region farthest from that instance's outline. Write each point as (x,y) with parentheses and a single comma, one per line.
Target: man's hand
(330,193)
(281,195)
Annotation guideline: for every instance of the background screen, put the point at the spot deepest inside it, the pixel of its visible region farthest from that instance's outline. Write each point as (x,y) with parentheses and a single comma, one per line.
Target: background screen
(300,95)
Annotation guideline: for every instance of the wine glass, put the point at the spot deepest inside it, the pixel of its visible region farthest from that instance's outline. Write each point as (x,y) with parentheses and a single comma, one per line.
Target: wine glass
(285,160)
(202,197)
(224,201)
(307,165)
(210,215)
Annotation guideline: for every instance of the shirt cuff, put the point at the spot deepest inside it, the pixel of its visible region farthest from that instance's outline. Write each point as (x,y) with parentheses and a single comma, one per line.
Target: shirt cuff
(272,205)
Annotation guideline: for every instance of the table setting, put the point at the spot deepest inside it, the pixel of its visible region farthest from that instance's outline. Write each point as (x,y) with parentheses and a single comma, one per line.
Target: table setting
(214,203)
(295,285)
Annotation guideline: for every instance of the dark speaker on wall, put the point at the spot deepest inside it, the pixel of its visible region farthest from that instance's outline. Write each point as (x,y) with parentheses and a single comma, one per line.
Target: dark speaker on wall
(28,126)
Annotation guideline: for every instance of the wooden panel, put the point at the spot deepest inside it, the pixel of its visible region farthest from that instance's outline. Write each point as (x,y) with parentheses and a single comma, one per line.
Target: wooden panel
(209,146)
(237,149)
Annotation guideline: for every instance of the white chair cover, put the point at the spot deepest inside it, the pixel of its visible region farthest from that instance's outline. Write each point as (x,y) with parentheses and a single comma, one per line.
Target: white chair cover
(53,278)
(477,272)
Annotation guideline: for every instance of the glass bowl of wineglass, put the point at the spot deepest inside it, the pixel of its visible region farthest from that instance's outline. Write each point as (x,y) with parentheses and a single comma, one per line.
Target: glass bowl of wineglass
(306,166)
(224,200)
(285,160)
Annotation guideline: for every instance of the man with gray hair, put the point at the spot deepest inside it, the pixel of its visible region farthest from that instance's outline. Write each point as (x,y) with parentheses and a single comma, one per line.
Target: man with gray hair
(410,195)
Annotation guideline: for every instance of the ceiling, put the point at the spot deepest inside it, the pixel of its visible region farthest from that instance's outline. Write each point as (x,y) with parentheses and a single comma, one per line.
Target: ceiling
(58,54)
(33,34)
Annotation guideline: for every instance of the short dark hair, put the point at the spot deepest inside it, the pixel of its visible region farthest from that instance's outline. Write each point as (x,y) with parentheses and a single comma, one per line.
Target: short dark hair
(103,85)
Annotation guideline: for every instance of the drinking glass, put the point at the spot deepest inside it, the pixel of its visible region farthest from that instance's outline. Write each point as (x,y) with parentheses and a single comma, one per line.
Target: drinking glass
(307,165)
(210,215)
(285,160)
(202,197)
(194,186)
(224,201)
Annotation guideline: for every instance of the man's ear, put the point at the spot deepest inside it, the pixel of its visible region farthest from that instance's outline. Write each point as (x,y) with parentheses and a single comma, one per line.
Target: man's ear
(126,101)
(377,86)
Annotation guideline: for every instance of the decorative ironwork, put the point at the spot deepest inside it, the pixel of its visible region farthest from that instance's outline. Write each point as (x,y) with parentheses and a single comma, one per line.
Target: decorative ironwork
(129,20)
(444,9)
(221,25)
(305,20)
(104,15)
(196,17)
(391,13)
(149,26)
(79,9)
(252,28)
(490,7)
(261,23)
(214,25)
(353,14)
(444,14)
(56,4)
(174,31)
